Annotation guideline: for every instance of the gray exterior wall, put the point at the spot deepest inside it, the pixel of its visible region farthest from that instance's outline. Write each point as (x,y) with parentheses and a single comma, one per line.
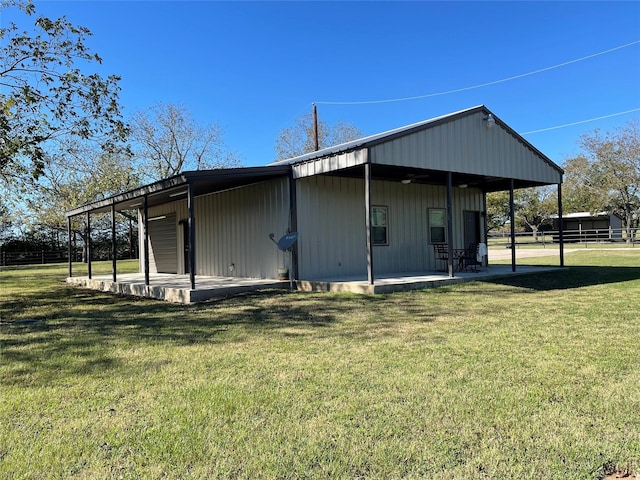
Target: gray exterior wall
(233,227)
(466,146)
(331,222)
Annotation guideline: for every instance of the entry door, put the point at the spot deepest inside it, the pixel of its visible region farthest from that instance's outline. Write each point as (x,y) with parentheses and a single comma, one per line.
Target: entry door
(471,227)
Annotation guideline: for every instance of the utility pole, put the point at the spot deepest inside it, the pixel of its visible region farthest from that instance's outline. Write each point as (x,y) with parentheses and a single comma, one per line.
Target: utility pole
(316,146)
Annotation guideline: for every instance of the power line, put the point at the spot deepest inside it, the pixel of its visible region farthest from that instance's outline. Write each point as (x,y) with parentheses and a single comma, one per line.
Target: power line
(457,90)
(581,121)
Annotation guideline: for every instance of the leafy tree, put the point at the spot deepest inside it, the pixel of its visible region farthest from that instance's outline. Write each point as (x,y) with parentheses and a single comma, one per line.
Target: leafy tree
(498,211)
(582,190)
(75,175)
(534,207)
(168,141)
(46,95)
(6,221)
(299,138)
(614,172)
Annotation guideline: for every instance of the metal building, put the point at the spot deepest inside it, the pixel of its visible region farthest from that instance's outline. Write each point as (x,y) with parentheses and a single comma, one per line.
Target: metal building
(366,208)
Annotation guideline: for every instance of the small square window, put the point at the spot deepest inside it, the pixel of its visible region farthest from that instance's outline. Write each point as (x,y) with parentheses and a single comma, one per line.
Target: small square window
(379,225)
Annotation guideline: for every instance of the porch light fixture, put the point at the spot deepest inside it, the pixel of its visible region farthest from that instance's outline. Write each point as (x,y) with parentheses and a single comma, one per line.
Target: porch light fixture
(463,185)
(490,121)
(412,177)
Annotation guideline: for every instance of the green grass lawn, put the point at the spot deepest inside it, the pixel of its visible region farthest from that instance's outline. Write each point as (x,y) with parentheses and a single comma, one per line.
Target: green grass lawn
(534,376)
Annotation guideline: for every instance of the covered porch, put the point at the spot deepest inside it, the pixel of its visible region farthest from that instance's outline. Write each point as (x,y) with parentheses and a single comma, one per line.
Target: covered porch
(177,288)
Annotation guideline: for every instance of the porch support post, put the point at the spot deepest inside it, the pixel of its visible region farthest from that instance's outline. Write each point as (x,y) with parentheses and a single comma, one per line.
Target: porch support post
(89,245)
(367,212)
(560,226)
(483,220)
(192,237)
(512,219)
(293,222)
(145,214)
(114,249)
(450,223)
(69,248)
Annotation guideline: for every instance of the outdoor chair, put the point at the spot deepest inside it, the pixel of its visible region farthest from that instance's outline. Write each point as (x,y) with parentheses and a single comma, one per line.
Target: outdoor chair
(470,258)
(441,251)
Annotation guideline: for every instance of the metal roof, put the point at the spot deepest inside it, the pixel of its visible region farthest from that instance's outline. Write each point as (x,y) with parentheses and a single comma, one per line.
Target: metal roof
(175,188)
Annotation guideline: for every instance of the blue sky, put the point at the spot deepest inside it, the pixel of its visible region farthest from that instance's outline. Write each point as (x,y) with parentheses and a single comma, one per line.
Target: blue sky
(253,67)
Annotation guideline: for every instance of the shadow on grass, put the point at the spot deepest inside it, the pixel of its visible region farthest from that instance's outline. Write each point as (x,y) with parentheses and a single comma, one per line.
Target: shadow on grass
(50,335)
(51,332)
(571,277)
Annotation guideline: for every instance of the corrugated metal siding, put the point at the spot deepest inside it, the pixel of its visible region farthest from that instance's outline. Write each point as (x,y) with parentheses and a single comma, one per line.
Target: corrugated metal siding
(332,226)
(331,222)
(233,227)
(466,146)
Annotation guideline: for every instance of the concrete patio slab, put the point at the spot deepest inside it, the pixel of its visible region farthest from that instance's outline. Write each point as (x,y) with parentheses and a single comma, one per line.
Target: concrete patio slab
(176,288)
(412,281)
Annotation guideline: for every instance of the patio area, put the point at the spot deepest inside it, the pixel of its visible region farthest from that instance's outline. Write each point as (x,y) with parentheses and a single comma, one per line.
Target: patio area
(176,288)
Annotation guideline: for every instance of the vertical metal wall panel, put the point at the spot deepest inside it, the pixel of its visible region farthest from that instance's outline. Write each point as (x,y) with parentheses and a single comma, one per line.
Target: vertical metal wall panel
(466,145)
(233,227)
(331,224)
(332,227)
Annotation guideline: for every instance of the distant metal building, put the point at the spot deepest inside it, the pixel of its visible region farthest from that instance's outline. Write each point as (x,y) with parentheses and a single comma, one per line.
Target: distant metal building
(368,207)
(587,226)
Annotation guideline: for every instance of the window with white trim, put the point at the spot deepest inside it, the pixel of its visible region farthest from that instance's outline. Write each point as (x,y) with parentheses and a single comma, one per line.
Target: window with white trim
(437,225)
(379,225)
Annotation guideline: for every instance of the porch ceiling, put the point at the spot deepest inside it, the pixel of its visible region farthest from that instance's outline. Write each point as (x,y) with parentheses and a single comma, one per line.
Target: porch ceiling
(394,173)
